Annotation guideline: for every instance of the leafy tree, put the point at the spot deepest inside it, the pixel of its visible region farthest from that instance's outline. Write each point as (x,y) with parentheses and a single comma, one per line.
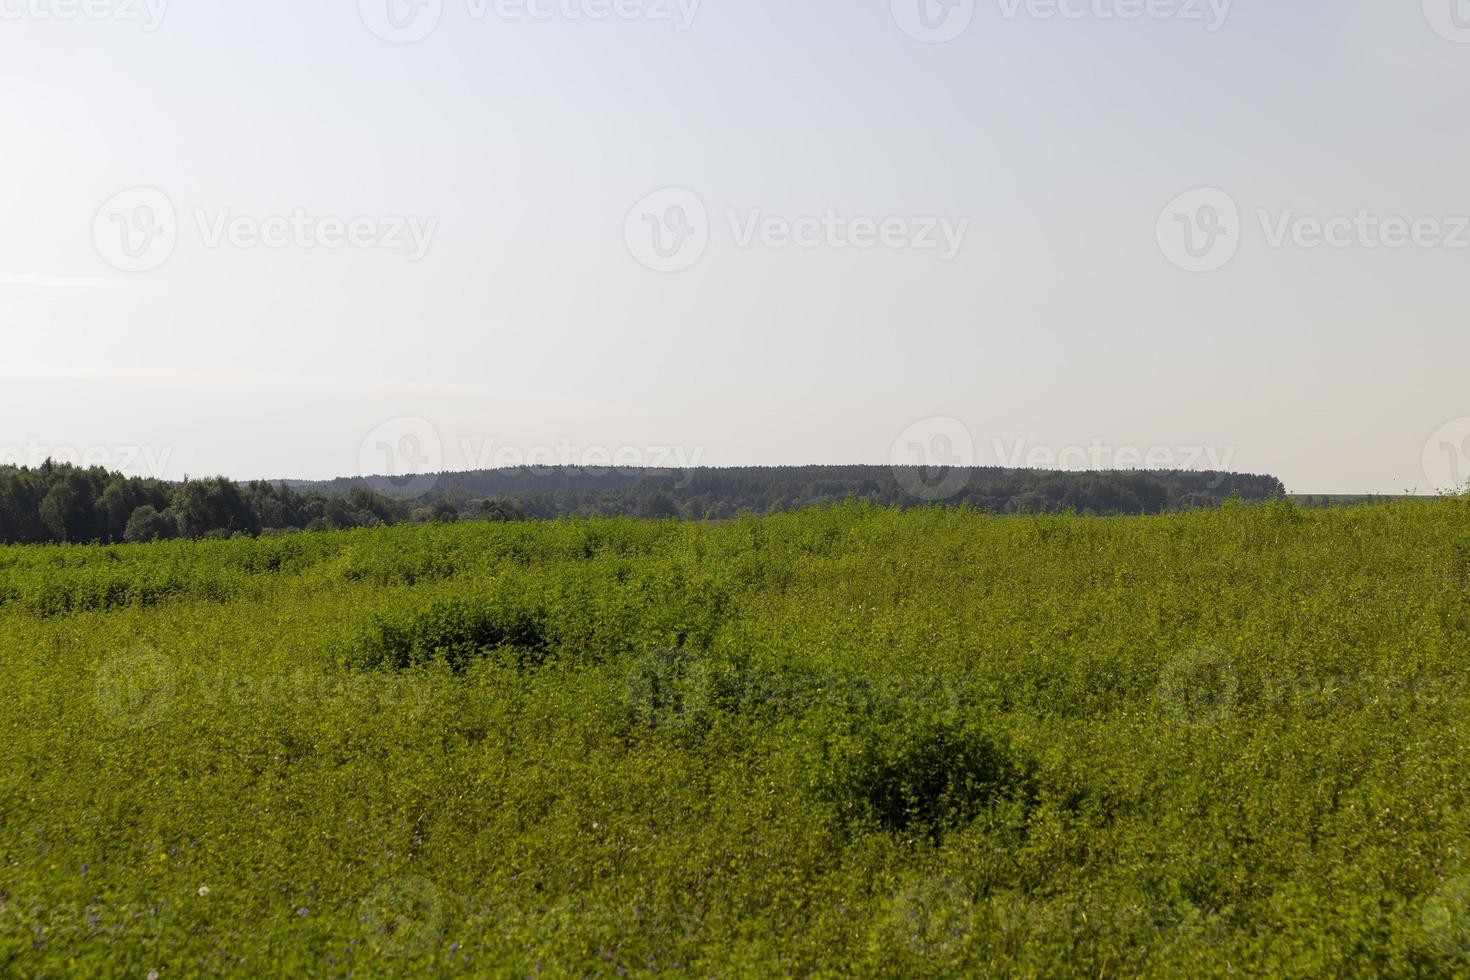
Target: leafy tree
(208,507)
(147,524)
(658,505)
(61,512)
(502,510)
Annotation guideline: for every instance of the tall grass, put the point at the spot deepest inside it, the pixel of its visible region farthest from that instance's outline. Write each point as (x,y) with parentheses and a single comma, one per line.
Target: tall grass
(845,741)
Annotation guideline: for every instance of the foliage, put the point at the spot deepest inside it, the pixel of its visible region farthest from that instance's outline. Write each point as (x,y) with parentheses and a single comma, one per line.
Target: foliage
(847,741)
(59,503)
(718,494)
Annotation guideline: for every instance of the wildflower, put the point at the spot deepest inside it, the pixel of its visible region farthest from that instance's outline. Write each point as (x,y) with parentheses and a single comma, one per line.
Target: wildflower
(203,890)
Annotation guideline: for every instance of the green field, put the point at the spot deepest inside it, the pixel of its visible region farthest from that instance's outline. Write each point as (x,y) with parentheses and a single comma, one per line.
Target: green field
(844,741)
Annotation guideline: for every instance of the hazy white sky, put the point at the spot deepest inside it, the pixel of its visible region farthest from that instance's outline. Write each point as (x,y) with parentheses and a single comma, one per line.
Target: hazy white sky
(870,231)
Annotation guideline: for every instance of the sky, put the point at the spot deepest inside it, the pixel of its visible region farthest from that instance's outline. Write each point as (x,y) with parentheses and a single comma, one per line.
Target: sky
(289,240)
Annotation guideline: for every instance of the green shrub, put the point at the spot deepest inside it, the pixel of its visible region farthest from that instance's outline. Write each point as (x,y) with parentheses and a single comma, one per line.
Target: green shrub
(899,770)
(453,631)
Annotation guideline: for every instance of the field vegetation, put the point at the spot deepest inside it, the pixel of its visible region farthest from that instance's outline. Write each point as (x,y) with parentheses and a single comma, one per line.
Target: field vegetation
(850,740)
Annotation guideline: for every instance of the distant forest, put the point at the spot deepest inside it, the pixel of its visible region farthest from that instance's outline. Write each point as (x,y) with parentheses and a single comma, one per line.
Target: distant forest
(56,503)
(718,494)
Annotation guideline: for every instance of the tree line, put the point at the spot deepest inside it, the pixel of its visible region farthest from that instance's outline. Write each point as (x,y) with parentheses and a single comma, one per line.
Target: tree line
(60,503)
(718,494)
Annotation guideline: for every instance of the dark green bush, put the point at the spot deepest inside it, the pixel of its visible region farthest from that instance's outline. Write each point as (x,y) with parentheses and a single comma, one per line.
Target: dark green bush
(456,631)
(903,772)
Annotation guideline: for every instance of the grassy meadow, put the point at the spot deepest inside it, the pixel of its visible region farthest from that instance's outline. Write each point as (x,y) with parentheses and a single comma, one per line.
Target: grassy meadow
(847,741)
